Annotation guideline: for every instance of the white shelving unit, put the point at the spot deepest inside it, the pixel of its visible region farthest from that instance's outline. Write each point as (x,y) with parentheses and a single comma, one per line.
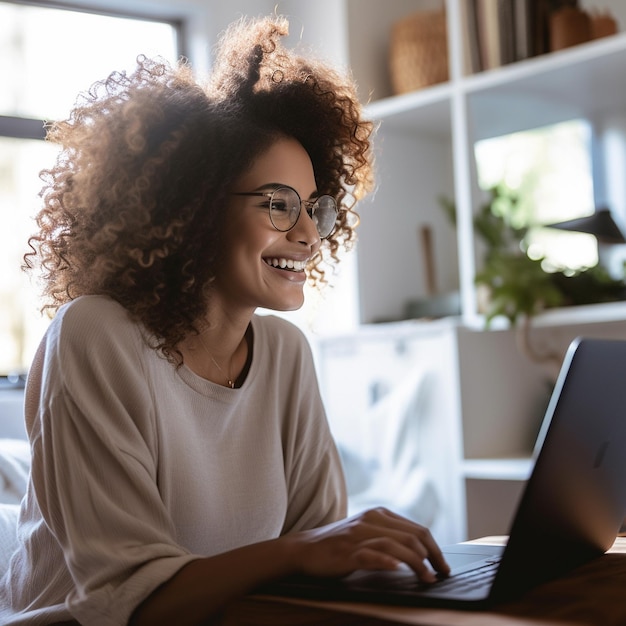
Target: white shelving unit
(424,150)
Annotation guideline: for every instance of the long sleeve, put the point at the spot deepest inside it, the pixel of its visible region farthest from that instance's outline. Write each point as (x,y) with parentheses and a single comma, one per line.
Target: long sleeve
(94,470)
(315,480)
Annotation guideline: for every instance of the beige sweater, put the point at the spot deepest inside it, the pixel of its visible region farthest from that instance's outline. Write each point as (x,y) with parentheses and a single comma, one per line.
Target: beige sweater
(139,468)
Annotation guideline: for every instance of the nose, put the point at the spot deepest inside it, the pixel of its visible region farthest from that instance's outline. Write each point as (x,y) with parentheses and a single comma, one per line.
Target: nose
(305,231)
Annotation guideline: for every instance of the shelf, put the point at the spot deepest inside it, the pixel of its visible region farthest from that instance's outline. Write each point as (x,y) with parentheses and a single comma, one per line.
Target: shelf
(606,53)
(498,469)
(559,86)
(585,314)
(536,92)
(601,313)
(426,111)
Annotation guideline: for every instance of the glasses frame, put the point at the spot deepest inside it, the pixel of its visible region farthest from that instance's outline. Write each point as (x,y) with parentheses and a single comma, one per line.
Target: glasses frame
(309,204)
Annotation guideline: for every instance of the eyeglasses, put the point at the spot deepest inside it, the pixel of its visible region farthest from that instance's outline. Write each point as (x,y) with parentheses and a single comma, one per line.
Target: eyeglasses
(284,205)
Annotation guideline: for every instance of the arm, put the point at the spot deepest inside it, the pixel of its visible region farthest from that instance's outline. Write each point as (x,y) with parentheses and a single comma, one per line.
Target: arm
(376,539)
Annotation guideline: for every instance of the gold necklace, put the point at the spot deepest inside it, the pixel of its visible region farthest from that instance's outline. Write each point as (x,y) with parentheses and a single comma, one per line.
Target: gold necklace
(229,380)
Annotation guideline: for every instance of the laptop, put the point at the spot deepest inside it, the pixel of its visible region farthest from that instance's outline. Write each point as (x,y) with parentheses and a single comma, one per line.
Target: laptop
(571,510)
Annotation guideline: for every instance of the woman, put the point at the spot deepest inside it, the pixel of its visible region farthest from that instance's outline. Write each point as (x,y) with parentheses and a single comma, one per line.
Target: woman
(180,452)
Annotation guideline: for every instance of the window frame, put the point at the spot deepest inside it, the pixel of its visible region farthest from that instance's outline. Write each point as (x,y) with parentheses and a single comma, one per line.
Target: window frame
(19,127)
(96,8)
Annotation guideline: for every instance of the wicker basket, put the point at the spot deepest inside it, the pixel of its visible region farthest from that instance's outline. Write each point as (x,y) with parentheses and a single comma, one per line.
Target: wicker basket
(418,51)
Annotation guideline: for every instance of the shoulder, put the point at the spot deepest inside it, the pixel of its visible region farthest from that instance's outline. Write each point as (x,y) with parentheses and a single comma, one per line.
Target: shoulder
(93,312)
(87,308)
(282,344)
(93,323)
(274,328)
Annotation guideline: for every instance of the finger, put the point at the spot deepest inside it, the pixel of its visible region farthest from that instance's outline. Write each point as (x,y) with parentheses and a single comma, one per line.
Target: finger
(396,522)
(369,553)
(370,558)
(438,561)
(417,539)
(417,555)
(434,553)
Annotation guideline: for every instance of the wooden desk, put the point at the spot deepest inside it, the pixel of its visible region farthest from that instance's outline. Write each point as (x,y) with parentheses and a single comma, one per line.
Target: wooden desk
(593,595)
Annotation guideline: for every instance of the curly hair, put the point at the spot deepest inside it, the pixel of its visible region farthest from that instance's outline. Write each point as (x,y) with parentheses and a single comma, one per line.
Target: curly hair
(133,207)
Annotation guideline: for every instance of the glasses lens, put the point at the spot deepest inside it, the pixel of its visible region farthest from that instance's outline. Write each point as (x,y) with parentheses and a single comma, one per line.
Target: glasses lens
(325,215)
(284,208)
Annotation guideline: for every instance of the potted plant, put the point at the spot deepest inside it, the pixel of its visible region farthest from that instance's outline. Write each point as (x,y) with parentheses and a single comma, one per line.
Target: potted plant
(517,286)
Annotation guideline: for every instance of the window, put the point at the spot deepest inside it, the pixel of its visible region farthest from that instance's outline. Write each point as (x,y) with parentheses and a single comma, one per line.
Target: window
(47,56)
(550,171)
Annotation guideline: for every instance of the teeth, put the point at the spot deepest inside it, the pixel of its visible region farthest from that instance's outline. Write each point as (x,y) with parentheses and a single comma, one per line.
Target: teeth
(290,264)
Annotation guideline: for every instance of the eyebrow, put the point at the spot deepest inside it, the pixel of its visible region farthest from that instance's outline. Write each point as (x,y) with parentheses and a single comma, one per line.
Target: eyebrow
(274,186)
(269,186)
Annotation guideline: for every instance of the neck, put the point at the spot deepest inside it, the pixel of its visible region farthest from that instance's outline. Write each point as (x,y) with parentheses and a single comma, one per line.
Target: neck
(227,372)
(216,354)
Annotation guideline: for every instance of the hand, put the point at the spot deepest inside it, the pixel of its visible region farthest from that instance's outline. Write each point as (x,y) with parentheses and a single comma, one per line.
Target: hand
(375,539)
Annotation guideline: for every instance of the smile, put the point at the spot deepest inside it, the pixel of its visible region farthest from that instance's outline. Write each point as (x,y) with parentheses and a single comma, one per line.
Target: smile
(287,264)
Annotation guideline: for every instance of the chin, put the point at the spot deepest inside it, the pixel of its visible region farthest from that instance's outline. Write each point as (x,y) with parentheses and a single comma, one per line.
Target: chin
(294,305)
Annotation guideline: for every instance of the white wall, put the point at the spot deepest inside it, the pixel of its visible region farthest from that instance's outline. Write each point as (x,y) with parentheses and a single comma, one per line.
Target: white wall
(391,220)
(368,34)
(618,9)
(319,25)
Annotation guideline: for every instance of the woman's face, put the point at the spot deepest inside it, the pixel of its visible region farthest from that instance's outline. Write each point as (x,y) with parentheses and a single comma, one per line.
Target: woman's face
(254,254)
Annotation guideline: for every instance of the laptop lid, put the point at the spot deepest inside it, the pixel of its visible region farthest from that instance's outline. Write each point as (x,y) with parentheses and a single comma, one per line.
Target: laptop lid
(574,502)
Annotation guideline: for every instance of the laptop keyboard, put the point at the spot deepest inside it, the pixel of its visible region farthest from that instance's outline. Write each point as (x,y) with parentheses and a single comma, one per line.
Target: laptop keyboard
(474,579)
(467,581)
